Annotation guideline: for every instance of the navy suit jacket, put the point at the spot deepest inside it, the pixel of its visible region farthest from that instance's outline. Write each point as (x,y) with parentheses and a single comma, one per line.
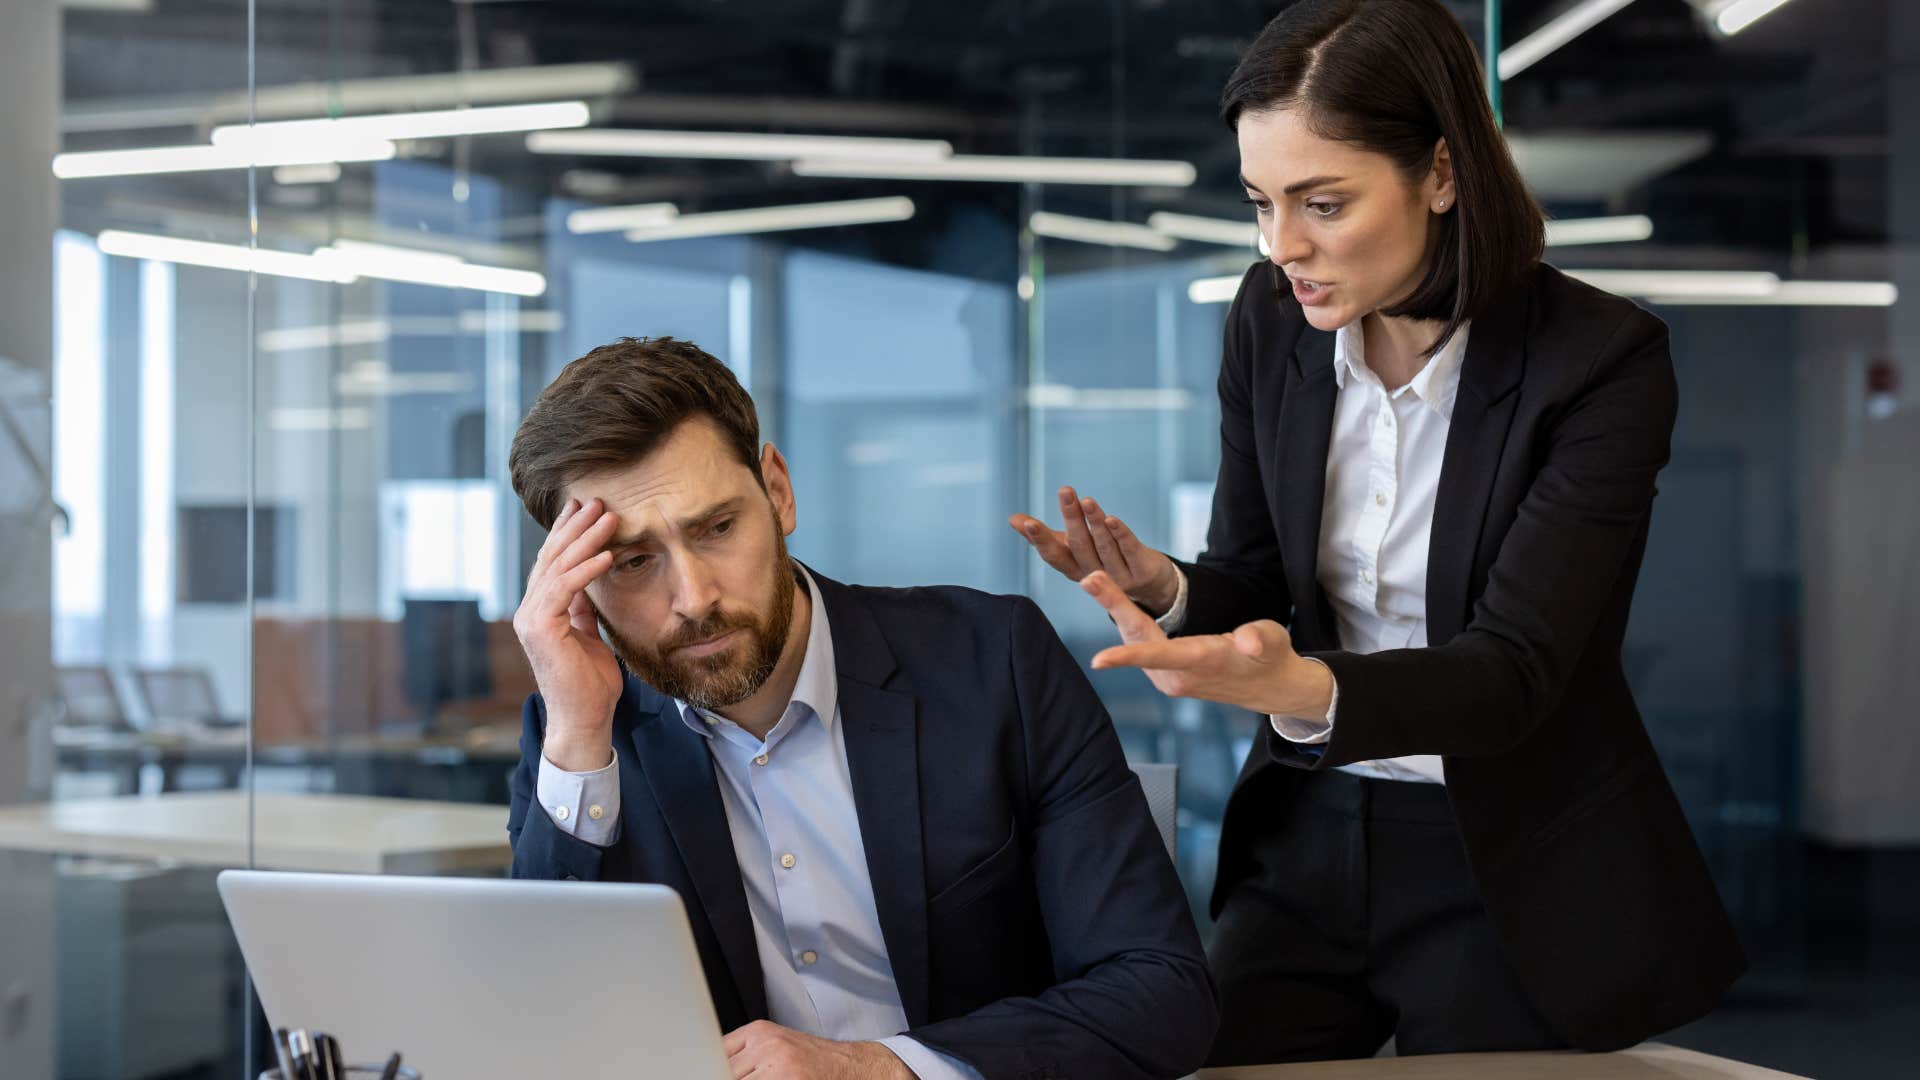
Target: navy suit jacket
(1032,916)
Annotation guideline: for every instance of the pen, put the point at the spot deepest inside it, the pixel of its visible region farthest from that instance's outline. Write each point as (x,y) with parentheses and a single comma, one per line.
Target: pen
(326,1056)
(301,1047)
(282,1055)
(392,1071)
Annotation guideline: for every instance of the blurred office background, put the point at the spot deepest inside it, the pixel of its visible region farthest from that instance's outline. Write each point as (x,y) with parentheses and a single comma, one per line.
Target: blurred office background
(260,552)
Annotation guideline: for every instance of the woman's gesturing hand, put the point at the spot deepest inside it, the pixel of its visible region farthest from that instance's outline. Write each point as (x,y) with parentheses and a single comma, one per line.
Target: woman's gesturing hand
(1095,540)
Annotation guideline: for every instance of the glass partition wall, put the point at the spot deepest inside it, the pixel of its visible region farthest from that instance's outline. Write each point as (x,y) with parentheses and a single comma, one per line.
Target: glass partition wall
(313,259)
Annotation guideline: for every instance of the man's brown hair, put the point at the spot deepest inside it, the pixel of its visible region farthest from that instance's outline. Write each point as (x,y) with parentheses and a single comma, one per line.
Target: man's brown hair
(614,406)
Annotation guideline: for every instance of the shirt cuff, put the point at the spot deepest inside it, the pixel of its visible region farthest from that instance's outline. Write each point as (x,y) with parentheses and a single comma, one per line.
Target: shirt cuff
(584,805)
(1177,614)
(1308,732)
(927,1063)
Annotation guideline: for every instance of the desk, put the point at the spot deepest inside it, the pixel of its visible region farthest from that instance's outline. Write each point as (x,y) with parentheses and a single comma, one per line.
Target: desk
(470,766)
(332,833)
(126,752)
(1648,1061)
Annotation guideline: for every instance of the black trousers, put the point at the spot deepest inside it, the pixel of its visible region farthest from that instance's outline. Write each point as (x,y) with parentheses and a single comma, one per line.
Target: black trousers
(1362,922)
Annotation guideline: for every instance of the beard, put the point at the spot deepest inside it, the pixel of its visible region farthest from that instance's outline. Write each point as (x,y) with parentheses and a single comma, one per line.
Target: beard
(725,678)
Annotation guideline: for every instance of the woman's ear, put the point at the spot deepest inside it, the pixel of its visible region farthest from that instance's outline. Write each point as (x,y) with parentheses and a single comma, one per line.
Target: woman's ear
(1439,188)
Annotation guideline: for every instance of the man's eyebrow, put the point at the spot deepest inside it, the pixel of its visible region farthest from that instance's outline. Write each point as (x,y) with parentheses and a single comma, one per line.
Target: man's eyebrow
(688,523)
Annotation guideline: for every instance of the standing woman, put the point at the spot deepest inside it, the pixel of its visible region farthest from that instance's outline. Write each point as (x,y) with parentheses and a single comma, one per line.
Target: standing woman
(1437,465)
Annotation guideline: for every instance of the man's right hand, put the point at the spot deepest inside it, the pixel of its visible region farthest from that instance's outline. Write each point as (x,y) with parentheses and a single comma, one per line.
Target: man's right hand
(578,676)
(1096,540)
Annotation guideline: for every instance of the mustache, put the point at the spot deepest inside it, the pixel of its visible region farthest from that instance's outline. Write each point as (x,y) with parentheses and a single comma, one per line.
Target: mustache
(706,629)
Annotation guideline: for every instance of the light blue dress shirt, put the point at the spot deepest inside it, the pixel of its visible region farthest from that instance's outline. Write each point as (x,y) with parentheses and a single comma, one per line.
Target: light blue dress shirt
(789,804)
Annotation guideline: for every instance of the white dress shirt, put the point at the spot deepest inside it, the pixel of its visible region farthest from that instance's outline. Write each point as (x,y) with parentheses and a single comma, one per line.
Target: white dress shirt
(1383,470)
(796,834)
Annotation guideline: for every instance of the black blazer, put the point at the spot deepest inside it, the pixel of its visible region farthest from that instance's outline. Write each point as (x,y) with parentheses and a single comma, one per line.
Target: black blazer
(1598,893)
(1032,916)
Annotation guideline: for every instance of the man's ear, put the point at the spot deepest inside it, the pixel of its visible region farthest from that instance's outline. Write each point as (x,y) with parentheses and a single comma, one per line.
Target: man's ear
(778,482)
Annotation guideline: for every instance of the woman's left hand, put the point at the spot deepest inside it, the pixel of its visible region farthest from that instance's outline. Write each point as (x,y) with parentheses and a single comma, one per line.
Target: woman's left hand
(1254,667)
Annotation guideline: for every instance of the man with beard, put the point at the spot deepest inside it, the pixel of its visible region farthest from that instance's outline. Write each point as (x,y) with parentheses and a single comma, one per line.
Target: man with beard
(901,821)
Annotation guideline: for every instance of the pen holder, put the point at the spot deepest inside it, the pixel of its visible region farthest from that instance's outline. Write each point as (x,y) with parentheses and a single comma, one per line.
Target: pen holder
(358,1073)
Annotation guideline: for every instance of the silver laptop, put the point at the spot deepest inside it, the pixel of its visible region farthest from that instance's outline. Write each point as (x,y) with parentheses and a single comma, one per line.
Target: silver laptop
(482,979)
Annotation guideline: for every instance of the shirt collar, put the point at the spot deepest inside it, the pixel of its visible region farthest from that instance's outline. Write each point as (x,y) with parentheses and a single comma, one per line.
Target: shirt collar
(1435,384)
(818,686)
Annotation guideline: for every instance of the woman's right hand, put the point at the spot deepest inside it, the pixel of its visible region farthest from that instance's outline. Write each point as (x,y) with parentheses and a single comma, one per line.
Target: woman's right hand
(1096,540)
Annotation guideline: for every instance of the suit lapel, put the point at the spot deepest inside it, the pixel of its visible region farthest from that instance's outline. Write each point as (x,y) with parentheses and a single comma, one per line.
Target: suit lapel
(882,740)
(1482,415)
(1300,479)
(679,771)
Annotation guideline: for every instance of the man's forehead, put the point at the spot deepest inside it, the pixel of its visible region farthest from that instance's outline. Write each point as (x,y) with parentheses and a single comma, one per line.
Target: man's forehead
(694,458)
(641,490)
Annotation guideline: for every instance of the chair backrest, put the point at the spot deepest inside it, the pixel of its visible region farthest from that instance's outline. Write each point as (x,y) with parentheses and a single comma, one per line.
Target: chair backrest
(177,694)
(1161,782)
(89,697)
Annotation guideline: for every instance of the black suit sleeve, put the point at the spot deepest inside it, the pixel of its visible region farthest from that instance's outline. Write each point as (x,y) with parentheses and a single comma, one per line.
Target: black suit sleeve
(540,849)
(1133,998)
(1584,514)
(1240,577)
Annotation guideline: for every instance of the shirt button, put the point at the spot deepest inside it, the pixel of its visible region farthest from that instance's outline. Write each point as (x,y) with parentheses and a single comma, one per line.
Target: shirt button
(1379,498)
(560,812)
(761,760)
(787,861)
(596,813)
(710,720)
(1366,576)
(809,957)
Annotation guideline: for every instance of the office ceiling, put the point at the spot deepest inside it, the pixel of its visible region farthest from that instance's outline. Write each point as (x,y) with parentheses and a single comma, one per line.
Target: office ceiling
(1769,142)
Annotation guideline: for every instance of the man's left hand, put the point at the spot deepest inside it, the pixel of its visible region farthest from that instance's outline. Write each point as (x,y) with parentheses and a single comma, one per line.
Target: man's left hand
(766,1051)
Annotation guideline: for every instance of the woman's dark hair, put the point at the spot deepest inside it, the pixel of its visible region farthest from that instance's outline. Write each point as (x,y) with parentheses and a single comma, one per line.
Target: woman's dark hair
(1395,77)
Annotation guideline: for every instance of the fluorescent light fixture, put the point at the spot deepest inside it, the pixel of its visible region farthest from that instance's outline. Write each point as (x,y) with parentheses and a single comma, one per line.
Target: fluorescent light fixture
(1738,288)
(1800,294)
(342,262)
(1740,14)
(521,322)
(1057,396)
(373,378)
(1012,169)
(1096,231)
(353,97)
(179,159)
(751,146)
(326,336)
(414,266)
(222,256)
(1206,230)
(1562,28)
(434,124)
(321,418)
(324,173)
(1214,290)
(1680,282)
(614,218)
(780,218)
(1601,230)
